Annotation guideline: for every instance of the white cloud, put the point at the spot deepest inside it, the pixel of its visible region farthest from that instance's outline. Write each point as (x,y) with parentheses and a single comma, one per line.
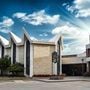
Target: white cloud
(83,13)
(19,15)
(38,18)
(43,34)
(65,29)
(6,24)
(81,4)
(33,38)
(82,7)
(69,7)
(79,38)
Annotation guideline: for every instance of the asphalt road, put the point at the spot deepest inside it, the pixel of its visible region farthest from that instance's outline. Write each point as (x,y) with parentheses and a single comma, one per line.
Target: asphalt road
(36,85)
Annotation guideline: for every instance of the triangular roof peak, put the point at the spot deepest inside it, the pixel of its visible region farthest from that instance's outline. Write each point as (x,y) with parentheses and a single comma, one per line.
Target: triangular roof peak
(55,38)
(4,41)
(15,38)
(27,35)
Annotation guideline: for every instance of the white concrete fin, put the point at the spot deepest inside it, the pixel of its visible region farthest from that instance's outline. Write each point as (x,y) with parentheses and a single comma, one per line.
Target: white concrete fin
(15,38)
(4,41)
(26,34)
(55,38)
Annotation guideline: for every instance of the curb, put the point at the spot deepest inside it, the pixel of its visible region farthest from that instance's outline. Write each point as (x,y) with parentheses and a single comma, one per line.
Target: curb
(46,80)
(52,81)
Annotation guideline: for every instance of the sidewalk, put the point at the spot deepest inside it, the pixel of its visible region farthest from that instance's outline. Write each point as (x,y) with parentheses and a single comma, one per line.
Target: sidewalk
(44,79)
(66,79)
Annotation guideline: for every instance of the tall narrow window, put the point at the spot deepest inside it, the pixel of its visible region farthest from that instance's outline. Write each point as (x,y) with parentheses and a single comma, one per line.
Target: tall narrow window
(58,61)
(14,53)
(27,57)
(2,51)
(88,52)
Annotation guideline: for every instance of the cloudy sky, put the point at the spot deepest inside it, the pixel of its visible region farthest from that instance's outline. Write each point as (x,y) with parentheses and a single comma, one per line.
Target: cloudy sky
(45,18)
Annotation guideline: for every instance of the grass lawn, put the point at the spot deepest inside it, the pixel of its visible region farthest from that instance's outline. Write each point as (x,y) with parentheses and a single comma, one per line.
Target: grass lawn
(6,78)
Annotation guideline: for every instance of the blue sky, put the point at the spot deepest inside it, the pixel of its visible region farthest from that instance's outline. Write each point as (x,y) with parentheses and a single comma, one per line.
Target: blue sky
(45,18)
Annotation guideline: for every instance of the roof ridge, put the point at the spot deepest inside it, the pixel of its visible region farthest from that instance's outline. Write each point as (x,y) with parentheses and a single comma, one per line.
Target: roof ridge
(15,37)
(4,41)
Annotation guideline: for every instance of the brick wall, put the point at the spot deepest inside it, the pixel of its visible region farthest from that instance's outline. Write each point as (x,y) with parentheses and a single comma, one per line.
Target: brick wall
(43,59)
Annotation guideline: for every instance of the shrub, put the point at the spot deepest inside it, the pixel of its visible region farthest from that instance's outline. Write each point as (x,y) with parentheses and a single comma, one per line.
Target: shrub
(86,74)
(16,69)
(4,64)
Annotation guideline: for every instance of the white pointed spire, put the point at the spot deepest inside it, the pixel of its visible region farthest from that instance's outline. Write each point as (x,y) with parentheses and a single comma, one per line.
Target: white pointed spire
(26,34)
(55,38)
(15,38)
(4,41)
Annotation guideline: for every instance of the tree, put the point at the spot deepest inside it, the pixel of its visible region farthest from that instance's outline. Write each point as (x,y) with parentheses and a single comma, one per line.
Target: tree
(16,68)
(4,64)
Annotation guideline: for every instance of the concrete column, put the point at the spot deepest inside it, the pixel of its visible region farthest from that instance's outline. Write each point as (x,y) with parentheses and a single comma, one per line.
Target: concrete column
(11,53)
(5,52)
(55,68)
(60,62)
(55,64)
(25,58)
(31,60)
(88,67)
(17,54)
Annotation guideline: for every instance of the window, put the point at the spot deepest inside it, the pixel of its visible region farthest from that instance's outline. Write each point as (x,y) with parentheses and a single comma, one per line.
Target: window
(27,57)
(2,51)
(14,53)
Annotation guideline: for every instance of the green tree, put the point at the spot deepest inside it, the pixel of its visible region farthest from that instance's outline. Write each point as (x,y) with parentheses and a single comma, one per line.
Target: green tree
(4,64)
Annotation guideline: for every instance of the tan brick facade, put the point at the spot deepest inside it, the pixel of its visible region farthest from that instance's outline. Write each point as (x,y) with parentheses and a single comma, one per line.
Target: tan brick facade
(42,64)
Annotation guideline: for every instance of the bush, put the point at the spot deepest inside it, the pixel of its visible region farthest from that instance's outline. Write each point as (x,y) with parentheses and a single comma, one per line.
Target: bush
(4,64)
(16,69)
(86,74)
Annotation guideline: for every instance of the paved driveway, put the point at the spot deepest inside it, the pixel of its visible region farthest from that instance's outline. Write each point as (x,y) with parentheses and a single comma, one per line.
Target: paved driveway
(36,85)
